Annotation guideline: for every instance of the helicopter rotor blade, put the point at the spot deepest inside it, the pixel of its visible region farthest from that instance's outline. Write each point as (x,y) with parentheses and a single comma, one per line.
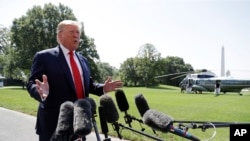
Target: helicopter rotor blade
(160,76)
(178,76)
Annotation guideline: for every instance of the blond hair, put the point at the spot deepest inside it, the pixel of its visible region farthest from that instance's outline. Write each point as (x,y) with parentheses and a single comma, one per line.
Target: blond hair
(61,25)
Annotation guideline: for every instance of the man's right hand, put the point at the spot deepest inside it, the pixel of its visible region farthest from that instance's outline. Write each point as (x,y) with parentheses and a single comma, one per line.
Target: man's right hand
(42,87)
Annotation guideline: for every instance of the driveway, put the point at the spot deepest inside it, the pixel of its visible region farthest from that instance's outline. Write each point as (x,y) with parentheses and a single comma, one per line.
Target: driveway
(18,126)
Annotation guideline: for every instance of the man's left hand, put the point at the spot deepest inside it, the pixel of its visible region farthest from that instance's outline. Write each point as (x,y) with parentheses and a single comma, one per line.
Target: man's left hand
(110,85)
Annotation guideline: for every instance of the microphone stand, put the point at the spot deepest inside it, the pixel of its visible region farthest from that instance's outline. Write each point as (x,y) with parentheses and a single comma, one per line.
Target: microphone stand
(182,133)
(182,129)
(95,128)
(103,123)
(129,118)
(206,124)
(117,126)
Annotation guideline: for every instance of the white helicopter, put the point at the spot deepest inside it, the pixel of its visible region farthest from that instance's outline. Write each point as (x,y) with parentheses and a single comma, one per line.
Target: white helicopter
(208,81)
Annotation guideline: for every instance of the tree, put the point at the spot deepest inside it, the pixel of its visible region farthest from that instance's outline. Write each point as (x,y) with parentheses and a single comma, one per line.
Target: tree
(4,44)
(105,70)
(36,31)
(8,66)
(148,63)
(142,69)
(4,39)
(173,65)
(129,72)
(88,49)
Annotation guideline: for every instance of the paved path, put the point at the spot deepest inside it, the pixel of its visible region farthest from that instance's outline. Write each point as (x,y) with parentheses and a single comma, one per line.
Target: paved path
(21,127)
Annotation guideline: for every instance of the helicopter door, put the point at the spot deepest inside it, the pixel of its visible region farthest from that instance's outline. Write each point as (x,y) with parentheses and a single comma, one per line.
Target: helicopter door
(189,85)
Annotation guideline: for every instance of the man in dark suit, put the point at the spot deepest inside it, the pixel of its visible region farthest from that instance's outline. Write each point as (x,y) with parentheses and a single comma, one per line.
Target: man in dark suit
(52,81)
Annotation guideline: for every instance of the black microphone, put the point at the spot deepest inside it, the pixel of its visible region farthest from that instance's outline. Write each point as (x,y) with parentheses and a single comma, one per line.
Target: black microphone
(112,116)
(93,110)
(121,100)
(111,113)
(82,117)
(109,108)
(64,128)
(164,123)
(104,125)
(141,104)
(124,106)
(93,105)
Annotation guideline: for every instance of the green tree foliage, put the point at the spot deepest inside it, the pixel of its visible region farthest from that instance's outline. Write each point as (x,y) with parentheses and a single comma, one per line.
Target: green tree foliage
(4,39)
(88,49)
(142,69)
(173,65)
(10,70)
(105,70)
(7,62)
(4,43)
(147,63)
(36,31)
(129,72)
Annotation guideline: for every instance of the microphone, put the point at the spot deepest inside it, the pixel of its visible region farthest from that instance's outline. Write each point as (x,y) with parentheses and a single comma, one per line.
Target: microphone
(82,117)
(112,116)
(157,120)
(111,113)
(141,104)
(93,105)
(121,100)
(64,128)
(93,110)
(103,123)
(124,106)
(109,108)
(164,123)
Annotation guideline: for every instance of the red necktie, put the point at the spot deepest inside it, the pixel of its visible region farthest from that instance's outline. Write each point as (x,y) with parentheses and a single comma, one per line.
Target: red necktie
(77,76)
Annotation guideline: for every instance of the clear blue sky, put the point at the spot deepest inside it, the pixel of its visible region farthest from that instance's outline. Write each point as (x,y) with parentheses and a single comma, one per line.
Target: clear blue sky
(194,30)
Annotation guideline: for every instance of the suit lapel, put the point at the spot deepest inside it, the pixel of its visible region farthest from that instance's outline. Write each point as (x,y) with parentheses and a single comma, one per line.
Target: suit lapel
(84,71)
(65,67)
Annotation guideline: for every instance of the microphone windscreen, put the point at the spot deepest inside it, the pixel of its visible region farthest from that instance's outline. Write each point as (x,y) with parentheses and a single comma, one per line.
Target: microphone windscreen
(65,119)
(82,117)
(103,121)
(93,104)
(157,120)
(121,100)
(141,104)
(109,108)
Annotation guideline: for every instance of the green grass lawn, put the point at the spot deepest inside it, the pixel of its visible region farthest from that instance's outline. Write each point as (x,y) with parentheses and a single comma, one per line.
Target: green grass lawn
(188,107)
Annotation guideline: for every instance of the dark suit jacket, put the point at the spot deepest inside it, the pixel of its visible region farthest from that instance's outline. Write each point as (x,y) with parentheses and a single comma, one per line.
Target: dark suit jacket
(52,63)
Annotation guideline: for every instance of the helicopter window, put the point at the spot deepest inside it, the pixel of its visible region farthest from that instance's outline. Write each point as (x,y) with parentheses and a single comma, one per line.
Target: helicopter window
(204,76)
(202,82)
(209,82)
(235,82)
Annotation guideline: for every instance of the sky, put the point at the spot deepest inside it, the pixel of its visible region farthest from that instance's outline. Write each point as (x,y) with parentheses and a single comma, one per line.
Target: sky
(195,30)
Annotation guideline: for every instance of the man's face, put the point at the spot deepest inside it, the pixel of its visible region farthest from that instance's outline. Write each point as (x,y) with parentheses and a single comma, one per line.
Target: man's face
(70,37)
